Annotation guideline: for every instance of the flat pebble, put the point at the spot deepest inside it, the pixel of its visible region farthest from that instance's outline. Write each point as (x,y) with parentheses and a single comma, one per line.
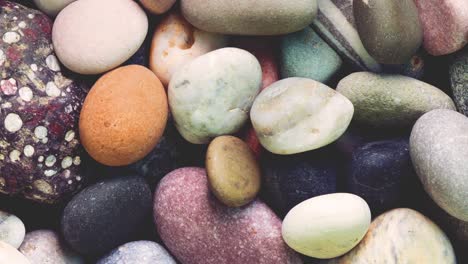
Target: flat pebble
(45,246)
(458,80)
(106,214)
(52,7)
(92,37)
(212,95)
(439,151)
(297,114)
(12,229)
(327,226)
(138,252)
(9,254)
(157,6)
(251,234)
(383,100)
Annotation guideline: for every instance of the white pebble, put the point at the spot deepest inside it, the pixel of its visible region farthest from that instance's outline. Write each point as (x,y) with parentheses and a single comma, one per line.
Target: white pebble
(26,94)
(13,122)
(40,132)
(28,151)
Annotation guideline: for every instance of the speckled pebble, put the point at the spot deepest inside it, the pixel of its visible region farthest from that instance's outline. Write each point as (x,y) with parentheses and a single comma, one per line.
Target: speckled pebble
(138,252)
(458,70)
(12,229)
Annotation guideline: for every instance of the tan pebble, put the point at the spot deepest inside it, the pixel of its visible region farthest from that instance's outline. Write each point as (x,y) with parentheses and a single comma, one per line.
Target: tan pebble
(157,6)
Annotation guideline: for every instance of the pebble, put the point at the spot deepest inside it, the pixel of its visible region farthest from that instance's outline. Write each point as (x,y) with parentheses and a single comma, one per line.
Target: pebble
(158,6)
(439,151)
(327,226)
(391,100)
(39,108)
(445,25)
(266,17)
(138,252)
(176,42)
(251,234)
(390,30)
(123,116)
(45,246)
(297,114)
(458,80)
(92,37)
(52,7)
(12,229)
(106,214)
(401,236)
(305,54)
(212,95)
(233,172)
(9,254)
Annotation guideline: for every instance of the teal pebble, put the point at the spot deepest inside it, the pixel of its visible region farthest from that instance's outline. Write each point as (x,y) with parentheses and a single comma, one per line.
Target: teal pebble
(305,54)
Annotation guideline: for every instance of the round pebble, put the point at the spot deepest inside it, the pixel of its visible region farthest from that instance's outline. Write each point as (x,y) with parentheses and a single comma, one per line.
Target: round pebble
(123,116)
(327,226)
(297,114)
(9,254)
(157,6)
(92,37)
(12,229)
(52,7)
(138,252)
(233,172)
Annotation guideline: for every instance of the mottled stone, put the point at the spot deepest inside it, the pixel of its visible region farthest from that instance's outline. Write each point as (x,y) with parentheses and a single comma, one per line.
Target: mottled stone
(39,111)
(106,214)
(9,254)
(243,17)
(401,236)
(459,80)
(445,25)
(158,6)
(212,95)
(327,226)
(305,54)
(176,43)
(45,246)
(439,151)
(250,234)
(383,100)
(12,229)
(390,30)
(297,114)
(138,252)
(52,7)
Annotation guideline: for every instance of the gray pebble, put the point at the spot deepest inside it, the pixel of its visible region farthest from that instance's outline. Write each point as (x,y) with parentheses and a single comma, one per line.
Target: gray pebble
(138,252)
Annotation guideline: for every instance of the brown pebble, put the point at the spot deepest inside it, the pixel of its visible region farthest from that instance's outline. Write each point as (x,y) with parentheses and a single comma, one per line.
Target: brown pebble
(233,171)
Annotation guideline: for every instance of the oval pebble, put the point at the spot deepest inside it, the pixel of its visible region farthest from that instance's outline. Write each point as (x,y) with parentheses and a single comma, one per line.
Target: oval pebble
(157,6)
(138,252)
(92,37)
(176,42)
(243,18)
(250,234)
(212,95)
(119,207)
(327,226)
(297,114)
(458,70)
(9,254)
(439,151)
(52,7)
(391,100)
(233,172)
(45,246)
(388,239)
(123,116)
(12,229)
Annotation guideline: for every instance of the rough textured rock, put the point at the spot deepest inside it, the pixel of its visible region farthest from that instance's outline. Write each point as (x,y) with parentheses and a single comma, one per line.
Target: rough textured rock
(9,254)
(158,6)
(390,30)
(459,80)
(106,214)
(297,114)
(445,25)
(212,95)
(138,252)
(439,151)
(12,229)
(45,246)
(244,17)
(52,7)
(250,234)
(383,100)
(40,153)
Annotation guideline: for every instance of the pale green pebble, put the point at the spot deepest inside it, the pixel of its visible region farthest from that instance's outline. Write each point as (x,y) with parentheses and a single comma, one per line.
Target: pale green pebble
(12,229)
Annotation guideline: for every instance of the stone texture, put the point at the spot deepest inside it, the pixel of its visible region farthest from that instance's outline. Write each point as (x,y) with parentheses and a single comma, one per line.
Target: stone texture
(244,17)
(212,95)
(439,151)
(297,114)
(327,226)
(106,214)
(459,80)
(158,6)
(138,252)
(45,246)
(9,254)
(383,100)
(250,234)
(445,25)
(390,30)
(52,7)
(123,116)
(40,152)
(12,229)
(305,54)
